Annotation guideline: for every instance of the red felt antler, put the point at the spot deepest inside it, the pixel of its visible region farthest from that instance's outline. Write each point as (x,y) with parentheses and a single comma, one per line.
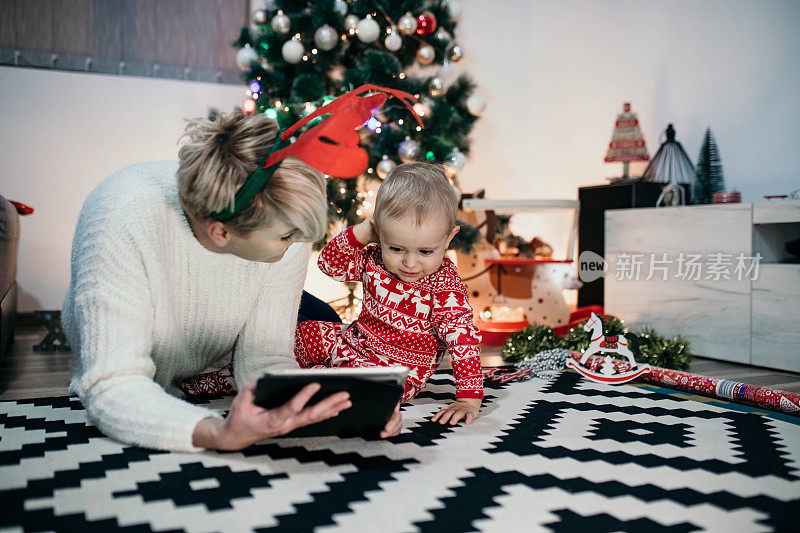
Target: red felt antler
(332,146)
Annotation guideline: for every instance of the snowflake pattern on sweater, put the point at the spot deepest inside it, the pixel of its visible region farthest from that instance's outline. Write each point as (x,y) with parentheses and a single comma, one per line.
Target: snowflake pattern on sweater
(405,323)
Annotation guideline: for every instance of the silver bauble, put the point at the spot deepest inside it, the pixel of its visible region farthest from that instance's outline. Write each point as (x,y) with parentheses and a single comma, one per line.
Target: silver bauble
(393,41)
(476,104)
(454,9)
(454,52)
(326,37)
(384,167)
(340,6)
(259,17)
(407,24)
(281,23)
(426,54)
(454,162)
(443,36)
(292,51)
(351,22)
(245,57)
(408,150)
(436,86)
(368,30)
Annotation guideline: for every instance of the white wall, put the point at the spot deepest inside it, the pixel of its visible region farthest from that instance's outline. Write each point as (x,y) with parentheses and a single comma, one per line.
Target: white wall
(555,75)
(62,133)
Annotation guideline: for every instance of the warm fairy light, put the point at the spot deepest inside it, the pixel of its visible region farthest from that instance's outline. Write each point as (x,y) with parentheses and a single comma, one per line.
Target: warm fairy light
(358,212)
(278,103)
(419,128)
(378,130)
(314,51)
(401,121)
(286,108)
(402,75)
(305,57)
(369,170)
(420,109)
(371,192)
(310,108)
(342,190)
(249,106)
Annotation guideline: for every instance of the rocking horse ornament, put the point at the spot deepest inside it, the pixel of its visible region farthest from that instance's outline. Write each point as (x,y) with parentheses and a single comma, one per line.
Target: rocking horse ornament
(619,344)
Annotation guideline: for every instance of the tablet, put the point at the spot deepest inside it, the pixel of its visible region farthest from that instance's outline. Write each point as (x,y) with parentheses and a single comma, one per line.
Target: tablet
(374,393)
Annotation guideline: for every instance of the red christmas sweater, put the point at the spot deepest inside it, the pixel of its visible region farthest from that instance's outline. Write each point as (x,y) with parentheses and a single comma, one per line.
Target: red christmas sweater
(405,322)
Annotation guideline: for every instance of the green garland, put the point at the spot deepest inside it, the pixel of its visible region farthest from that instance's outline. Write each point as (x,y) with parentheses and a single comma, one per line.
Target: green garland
(654,349)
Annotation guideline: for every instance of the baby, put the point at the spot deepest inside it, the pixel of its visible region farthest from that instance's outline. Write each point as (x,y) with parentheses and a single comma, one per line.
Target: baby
(415,304)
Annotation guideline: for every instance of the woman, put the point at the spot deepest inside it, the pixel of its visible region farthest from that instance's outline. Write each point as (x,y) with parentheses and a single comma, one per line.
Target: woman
(160,289)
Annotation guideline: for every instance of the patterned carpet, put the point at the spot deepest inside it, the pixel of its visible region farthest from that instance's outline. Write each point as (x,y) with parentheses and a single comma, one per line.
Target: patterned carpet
(570,455)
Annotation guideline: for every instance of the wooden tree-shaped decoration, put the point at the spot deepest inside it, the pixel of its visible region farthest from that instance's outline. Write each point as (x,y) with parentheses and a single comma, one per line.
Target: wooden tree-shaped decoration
(627,141)
(708,175)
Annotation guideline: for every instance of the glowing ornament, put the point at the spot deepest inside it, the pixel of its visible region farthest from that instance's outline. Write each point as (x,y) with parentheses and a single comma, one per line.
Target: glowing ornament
(393,41)
(351,23)
(407,24)
(454,52)
(426,23)
(245,57)
(368,30)
(340,6)
(430,156)
(476,104)
(249,106)
(384,166)
(326,37)
(259,17)
(254,86)
(408,150)
(281,23)
(426,54)
(292,51)
(271,113)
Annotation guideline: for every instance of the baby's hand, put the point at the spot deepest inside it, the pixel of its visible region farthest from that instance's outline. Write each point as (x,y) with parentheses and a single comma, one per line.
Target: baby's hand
(466,408)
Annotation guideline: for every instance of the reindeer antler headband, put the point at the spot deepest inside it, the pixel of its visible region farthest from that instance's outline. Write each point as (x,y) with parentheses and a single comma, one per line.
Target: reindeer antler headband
(331,147)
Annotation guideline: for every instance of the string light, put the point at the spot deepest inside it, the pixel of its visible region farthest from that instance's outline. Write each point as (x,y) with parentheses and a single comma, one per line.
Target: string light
(401,121)
(378,130)
(419,128)
(271,113)
(249,106)
(373,123)
(342,190)
(255,86)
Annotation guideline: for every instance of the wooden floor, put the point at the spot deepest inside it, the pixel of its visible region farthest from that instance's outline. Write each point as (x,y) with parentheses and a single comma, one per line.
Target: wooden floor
(28,374)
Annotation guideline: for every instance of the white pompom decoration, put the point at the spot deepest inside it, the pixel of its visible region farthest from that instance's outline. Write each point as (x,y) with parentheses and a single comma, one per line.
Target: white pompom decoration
(476,104)
(326,37)
(292,51)
(245,57)
(368,30)
(393,41)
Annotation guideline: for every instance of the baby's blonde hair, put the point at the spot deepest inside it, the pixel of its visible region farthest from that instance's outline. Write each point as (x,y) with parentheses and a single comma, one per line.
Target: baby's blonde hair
(416,188)
(219,156)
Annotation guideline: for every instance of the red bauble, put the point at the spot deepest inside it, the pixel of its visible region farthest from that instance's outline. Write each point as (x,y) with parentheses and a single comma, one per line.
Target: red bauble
(426,23)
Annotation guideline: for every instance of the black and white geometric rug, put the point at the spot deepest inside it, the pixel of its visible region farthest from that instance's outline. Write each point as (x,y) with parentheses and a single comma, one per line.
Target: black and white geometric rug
(570,455)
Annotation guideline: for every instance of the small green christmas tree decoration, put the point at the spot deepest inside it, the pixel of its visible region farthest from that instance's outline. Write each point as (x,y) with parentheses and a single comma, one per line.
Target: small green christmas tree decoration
(708,176)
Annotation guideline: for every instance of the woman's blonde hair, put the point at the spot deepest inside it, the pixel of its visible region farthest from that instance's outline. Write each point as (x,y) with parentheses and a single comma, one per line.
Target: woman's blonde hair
(218,157)
(416,188)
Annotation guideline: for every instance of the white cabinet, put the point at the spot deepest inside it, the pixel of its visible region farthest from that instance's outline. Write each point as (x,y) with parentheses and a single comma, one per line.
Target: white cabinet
(695,280)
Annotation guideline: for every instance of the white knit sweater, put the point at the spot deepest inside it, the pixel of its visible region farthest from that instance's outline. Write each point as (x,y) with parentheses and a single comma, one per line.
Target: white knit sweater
(148,305)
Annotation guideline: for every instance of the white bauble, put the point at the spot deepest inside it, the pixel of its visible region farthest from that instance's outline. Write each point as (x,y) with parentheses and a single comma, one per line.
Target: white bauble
(407,24)
(293,51)
(454,162)
(408,150)
(368,30)
(281,23)
(340,6)
(426,54)
(351,22)
(326,37)
(384,167)
(454,9)
(476,104)
(245,57)
(259,17)
(393,41)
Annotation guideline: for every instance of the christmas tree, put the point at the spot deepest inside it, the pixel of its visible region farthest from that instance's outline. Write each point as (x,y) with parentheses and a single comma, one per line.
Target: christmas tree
(305,53)
(627,141)
(709,178)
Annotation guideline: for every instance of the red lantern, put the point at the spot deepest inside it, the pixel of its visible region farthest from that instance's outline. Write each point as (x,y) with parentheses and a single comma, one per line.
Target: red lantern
(426,23)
